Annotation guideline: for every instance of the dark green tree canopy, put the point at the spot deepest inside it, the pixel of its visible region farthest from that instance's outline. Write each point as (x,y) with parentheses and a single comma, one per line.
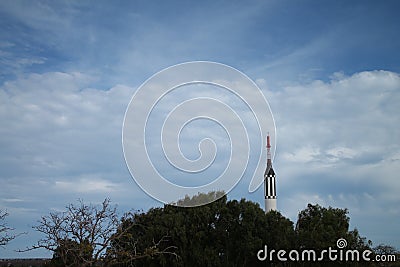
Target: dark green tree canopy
(228,233)
(318,227)
(222,233)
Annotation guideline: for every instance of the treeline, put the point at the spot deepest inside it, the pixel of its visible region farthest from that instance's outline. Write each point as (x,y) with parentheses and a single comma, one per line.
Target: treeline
(230,233)
(222,233)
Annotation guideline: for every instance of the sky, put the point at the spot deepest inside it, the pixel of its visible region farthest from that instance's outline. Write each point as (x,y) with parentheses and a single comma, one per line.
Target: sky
(329,71)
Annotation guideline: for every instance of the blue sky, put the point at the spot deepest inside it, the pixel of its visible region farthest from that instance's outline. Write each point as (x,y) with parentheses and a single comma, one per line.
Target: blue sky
(329,70)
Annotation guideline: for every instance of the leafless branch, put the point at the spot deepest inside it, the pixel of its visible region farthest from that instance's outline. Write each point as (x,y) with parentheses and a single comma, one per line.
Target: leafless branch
(5,236)
(83,234)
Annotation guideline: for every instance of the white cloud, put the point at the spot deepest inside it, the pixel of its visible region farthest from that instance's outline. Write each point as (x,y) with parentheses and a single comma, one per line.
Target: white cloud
(341,153)
(302,155)
(87,185)
(12,200)
(353,113)
(54,125)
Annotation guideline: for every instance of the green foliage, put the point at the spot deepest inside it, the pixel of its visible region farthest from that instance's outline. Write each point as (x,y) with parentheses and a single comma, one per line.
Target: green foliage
(281,234)
(227,233)
(222,233)
(318,227)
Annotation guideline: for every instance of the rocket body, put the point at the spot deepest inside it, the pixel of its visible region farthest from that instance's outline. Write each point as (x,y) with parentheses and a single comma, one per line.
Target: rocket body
(270,204)
(269,182)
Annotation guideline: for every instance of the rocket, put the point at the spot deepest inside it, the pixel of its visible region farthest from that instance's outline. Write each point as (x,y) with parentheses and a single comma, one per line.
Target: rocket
(269,181)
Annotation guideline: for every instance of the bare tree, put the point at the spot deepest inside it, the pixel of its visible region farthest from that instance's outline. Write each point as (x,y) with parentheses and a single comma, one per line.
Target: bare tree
(5,237)
(81,235)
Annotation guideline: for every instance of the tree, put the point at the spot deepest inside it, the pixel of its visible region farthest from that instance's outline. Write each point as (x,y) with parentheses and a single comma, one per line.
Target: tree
(280,231)
(71,253)
(5,237)
(319,228)
(243,230)
(385,249)
(189,235)
(221,233)
(229,233)
(138,242)
(80,235)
